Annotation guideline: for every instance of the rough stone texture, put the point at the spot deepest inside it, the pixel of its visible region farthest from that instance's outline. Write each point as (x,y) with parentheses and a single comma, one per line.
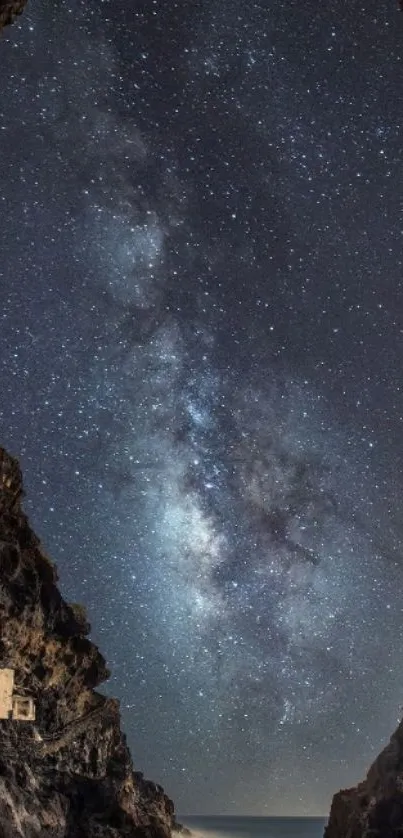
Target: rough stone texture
(68,774)
(374,808)
(9,9)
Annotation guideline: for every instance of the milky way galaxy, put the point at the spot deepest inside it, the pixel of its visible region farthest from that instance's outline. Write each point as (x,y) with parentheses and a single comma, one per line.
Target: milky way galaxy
(201,348)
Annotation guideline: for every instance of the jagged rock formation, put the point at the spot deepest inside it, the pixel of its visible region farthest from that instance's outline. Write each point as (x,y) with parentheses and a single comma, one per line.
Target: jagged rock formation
(9,9)
(374,808)
(68,774)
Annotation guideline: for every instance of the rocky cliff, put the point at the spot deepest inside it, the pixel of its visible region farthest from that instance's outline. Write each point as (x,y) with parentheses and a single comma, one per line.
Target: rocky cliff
(69,773)
(374,808)
(9,9)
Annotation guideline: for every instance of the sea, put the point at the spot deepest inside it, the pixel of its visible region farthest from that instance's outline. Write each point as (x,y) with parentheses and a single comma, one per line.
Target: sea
(253,827)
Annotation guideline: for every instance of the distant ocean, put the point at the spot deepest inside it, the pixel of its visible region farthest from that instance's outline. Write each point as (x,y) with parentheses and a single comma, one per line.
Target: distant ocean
(250,827)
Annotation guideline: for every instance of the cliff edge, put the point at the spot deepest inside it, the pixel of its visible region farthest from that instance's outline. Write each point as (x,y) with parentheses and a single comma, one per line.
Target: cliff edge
(374,808)
(65,769)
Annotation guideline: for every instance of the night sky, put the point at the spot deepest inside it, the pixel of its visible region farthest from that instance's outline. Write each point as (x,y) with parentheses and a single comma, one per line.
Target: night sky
(201,349)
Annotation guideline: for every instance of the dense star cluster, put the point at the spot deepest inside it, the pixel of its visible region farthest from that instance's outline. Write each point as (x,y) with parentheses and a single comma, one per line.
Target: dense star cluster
(201,349)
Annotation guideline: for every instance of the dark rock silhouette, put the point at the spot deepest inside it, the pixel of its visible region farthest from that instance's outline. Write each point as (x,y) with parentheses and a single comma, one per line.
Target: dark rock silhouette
(9,9)
(374,808)
(69,773)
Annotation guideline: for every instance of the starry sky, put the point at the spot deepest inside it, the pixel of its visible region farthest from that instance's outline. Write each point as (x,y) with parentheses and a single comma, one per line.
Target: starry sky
(201,347)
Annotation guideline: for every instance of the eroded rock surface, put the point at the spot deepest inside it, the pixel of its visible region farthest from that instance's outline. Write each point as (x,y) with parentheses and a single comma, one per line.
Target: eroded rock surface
(374,808)
(69,774)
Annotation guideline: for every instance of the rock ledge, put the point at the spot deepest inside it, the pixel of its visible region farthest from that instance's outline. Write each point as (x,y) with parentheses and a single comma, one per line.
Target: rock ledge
(9,9)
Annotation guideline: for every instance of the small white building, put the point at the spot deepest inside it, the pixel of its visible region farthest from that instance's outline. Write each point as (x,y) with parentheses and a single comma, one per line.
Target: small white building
(12,706)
